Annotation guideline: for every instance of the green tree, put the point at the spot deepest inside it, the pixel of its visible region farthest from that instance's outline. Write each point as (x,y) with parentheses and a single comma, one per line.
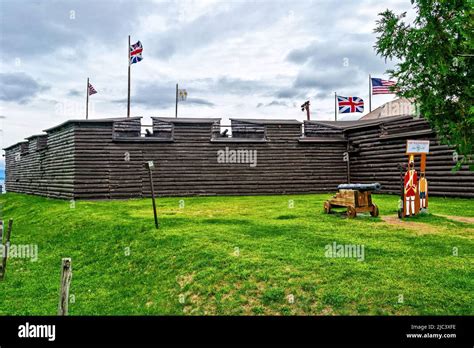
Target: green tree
(435,54)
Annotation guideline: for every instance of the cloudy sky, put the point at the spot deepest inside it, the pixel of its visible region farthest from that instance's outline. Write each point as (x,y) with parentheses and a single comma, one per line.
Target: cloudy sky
(247,59)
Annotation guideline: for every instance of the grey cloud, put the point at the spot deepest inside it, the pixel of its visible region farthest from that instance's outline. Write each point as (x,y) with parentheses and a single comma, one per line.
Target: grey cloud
(328,79)
(352,50)
(239,86)
(232,19)
(273,103)
(75,93)
(162,96)
(289,92)
(19,87)
(222,23)
(199,101)
(230,85)
(338,63)
(41,27)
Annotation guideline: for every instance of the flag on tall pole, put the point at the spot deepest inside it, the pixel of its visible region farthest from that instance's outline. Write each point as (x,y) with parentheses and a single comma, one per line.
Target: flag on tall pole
(134,56)
(181,95)
(176,105)
(136,52)
(380,86)
(350,104)
(90,91)
(370,94)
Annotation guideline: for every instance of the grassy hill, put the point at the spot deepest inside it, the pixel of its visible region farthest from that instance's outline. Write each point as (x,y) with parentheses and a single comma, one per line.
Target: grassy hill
(238,256)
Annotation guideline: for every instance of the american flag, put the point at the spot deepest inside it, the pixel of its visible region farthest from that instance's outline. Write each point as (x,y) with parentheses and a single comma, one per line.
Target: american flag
(380,86)
(136,52)
(350,104)
(91,89)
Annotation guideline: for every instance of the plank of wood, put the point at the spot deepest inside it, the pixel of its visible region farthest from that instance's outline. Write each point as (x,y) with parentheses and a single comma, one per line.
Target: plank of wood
(65,283)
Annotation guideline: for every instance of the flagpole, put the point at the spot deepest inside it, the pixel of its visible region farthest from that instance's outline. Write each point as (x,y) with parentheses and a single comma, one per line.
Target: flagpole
(87,99)
(335,106)
(176,107)
(128,100)
(370,94)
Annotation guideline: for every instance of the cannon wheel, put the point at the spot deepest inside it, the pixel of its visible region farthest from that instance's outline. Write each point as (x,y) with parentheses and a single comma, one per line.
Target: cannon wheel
(375,211)
(351,212)
(327,207)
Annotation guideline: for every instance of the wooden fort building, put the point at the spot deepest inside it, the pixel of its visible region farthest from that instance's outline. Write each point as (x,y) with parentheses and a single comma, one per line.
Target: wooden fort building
(104,158)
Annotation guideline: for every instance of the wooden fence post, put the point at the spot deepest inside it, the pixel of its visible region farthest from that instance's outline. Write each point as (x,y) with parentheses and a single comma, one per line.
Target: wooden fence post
(6,246)
(150,166)
(66,275)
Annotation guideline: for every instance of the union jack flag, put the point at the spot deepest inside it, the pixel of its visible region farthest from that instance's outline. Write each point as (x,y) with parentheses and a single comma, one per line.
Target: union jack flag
(380,86)
(136,52)
(350,104)
(91,89)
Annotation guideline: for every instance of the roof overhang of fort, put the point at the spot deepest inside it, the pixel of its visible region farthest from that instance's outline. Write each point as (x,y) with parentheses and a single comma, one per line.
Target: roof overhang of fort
(36,136)
(266,121)
(98,120)
(187,120)
(358,124)
(340,125)
(14,145)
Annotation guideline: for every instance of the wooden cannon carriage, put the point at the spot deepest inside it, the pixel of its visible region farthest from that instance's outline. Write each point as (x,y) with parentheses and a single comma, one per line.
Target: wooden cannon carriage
(356,198)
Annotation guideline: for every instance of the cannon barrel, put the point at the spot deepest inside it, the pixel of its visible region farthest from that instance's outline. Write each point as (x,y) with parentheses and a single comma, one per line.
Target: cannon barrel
(360,187)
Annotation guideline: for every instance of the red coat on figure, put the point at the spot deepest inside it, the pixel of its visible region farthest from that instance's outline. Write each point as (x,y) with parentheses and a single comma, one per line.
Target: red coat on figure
(411,183)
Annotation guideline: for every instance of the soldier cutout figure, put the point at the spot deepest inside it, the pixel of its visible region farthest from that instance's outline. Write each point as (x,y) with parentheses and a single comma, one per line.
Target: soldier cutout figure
(411,188)
(423,186)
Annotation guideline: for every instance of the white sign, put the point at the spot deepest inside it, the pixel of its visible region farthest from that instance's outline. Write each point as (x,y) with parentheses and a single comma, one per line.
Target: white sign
(418,146)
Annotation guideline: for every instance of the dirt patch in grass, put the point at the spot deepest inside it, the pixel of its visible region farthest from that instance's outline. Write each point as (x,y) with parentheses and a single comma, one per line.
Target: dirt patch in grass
(422,228)
(185,279)
(419,227)
(465,219)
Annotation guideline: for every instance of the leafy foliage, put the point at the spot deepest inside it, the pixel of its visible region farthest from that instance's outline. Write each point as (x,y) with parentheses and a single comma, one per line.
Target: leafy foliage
(436,66)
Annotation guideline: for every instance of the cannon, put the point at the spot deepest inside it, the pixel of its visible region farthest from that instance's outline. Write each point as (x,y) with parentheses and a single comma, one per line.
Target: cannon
(360,187)
(356,198)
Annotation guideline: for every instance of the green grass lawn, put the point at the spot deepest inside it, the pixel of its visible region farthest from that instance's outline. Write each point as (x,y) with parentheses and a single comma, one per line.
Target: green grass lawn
(238,256)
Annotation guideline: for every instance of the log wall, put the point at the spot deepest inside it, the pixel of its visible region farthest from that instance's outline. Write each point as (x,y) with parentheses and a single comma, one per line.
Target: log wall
(378,149)
(104,159)
(43,165)
(186,162)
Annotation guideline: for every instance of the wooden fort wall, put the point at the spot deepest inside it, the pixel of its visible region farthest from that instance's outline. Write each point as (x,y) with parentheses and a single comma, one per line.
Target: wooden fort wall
(377,150)
(186,162)
(104,159)
(43,165)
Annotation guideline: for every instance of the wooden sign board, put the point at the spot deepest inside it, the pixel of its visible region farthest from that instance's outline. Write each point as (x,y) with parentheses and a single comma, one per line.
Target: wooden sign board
(418,146)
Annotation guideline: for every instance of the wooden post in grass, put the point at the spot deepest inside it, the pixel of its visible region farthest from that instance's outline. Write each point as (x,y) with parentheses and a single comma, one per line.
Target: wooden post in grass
(150,165)
(66,275)
(1,232)
(6,246)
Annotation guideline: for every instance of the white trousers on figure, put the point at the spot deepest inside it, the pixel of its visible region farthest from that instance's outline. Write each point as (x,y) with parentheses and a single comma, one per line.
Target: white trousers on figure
(410,201)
